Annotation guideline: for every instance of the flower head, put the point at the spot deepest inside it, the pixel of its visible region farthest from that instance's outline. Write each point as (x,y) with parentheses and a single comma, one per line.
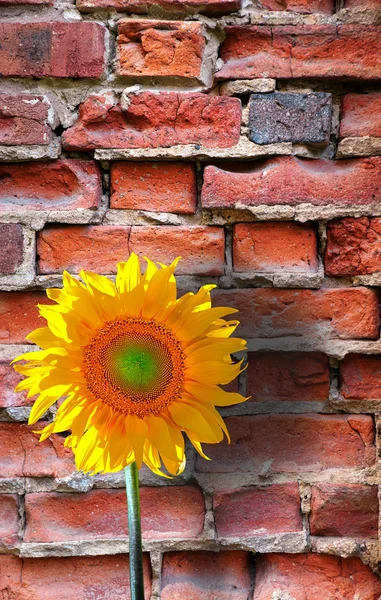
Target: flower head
(137,366)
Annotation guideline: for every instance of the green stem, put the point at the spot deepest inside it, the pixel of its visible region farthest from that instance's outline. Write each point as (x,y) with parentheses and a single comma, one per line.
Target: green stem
(134,532)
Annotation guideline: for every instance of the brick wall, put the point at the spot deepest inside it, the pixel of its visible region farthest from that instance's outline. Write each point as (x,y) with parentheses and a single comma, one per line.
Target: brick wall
(248,140)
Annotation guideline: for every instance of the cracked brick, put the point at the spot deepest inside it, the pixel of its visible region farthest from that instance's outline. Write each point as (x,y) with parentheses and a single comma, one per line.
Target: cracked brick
(353,247)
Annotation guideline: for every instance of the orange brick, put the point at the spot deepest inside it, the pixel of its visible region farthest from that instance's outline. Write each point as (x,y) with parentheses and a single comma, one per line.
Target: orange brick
(9,522)
(8,381)
(360,377)
(19,315)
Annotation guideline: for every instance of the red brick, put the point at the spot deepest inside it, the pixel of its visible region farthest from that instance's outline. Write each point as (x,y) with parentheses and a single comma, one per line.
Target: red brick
(209,7)
(353,247)
(360,114)
(12,239)
(155,120)
(9,521)
(360,377)
(300,6)
(21,454)
(205,576)
(8,381)
(275,247)
(326,313)
(312,576)
(55,49)
(258,511)
(154,186)
(23,120)
(346,51)
(59,185)
(24,2)
(174,512)
(289,180)
(19,315)
(100,248)
(288,376)
(164,48)
(293,443)
(346,510)
(74,578)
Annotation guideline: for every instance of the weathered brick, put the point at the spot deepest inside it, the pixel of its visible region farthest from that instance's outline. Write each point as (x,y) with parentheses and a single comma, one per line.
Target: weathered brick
(209,7)
(292,444)
(353,247)
(19,315)
(21,454)
(288,117)
(24,2)
(345,510)
(160,48)
(74,578)
(290,180)
(8,381)
(59,185)
(154,186)
(360,115)
(155,120)
(299,6)
(55,49)
(99,248)
(326,313)
(11,240)
(360,377)
(288,376)
(9,522)
(258,511)
(24,120)
(312,576)
(345,51)
(361,4)
(206,575)
(167,512)
(275,247)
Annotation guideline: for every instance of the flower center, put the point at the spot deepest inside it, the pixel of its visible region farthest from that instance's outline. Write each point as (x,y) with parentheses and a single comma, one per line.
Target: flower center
(135,365)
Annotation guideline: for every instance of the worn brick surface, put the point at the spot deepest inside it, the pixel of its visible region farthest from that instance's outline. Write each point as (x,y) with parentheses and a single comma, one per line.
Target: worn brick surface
(74,578)
(361,4)
(23,119)
(329,51)
(11,239)
(353,247)
(360,377)
(258,511)
(275,247)
(282,117)
(100,248)
(59,185)
(167,512)
(326,313)
(165,48)
(312,576)
(9,521)
(206,575)
(361,115)
(299,6)
(154,186)
(46,49)
(287,376)
(19,315)
(155,120)
(289,180)
(8,381)
(346,510)
(293,444)
(21,454)
(209,7)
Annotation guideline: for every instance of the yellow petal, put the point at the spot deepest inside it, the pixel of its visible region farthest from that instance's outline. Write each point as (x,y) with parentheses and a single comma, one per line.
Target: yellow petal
(212,394)
(214,350)
(213,372)
(190,419)
(128,274)
(197,323)
(136,430)
(156,296)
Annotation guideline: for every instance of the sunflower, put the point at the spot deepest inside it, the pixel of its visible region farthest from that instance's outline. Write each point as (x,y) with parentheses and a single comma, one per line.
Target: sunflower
(136,367)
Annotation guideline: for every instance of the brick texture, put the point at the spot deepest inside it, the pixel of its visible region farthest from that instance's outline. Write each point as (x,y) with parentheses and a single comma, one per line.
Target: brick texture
(210,7)
(353,247)
(154,186)
(360,377)
(102,514)
(275,248)
(9,521)
(345,51)
(344,510)
(360,114)
(152,48)
(8,381)
(19,315)
(293,181)
(205,575)
(155,120)
(12,238)
(24,119)
(299,6)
